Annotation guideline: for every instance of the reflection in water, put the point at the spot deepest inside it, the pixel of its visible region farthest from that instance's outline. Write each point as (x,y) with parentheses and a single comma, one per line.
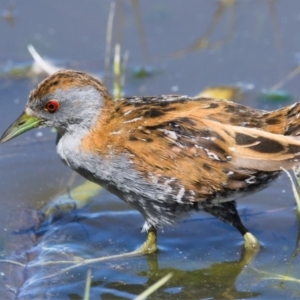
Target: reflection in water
(140,30)
(215,282)
(275,24)
(86,233)
(82,234)
(204,41)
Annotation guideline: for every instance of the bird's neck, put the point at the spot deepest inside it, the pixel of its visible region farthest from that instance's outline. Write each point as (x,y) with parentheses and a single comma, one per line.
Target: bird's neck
(67,144)
(76,131)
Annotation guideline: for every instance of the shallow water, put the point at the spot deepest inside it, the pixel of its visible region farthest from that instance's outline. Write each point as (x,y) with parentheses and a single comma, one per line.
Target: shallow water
(253,44)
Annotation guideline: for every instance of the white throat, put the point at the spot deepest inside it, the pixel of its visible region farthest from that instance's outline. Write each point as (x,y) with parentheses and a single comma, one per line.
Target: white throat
(67,145)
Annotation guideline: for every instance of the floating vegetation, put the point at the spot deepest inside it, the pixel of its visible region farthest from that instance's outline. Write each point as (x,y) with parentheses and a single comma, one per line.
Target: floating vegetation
(87,285)
(73,199)
(150,290)
(141,72)
(275,95)
(18,71)
(38,67)
(44,65)
(222,92)
(274,276)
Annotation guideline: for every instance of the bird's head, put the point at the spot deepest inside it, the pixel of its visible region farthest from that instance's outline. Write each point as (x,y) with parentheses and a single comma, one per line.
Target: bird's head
(65,100)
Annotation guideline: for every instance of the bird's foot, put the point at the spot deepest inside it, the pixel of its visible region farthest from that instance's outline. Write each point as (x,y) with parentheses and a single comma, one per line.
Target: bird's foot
(149,246)
(250,242)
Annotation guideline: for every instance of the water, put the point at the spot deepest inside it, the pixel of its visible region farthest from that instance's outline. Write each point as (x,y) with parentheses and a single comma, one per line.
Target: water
(186,47)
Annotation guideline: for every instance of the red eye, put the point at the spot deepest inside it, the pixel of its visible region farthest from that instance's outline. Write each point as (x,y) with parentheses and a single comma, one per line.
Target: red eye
(52,106)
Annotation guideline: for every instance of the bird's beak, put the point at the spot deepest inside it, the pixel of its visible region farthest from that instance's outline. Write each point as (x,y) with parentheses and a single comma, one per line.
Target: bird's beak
(21,125)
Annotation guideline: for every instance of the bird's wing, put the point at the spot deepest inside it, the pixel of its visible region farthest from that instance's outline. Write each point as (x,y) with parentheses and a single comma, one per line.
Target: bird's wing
(210,157)
(205,146)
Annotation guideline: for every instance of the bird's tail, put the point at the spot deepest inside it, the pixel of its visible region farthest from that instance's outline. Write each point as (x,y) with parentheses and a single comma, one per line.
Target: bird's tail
(284,121)
(293,120)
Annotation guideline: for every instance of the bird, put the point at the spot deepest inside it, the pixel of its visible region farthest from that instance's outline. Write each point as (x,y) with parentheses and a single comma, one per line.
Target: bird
(168,155)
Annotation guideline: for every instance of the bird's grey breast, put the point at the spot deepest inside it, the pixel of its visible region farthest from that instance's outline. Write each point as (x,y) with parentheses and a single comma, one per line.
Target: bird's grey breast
(118,175)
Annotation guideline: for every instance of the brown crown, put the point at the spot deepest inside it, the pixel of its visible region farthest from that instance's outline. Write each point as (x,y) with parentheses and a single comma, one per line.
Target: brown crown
(65,79)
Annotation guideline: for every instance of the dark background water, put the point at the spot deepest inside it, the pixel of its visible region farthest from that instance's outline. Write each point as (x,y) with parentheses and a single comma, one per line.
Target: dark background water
(187,46)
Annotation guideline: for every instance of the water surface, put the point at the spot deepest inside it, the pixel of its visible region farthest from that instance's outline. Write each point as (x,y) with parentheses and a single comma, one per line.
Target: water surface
(188,46)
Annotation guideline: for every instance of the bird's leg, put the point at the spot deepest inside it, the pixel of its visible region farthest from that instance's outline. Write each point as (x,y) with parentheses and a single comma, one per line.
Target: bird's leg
(227,212)
(149,246)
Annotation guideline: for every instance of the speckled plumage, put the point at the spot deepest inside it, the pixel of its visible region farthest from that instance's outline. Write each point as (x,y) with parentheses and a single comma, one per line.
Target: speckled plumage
(167,155)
